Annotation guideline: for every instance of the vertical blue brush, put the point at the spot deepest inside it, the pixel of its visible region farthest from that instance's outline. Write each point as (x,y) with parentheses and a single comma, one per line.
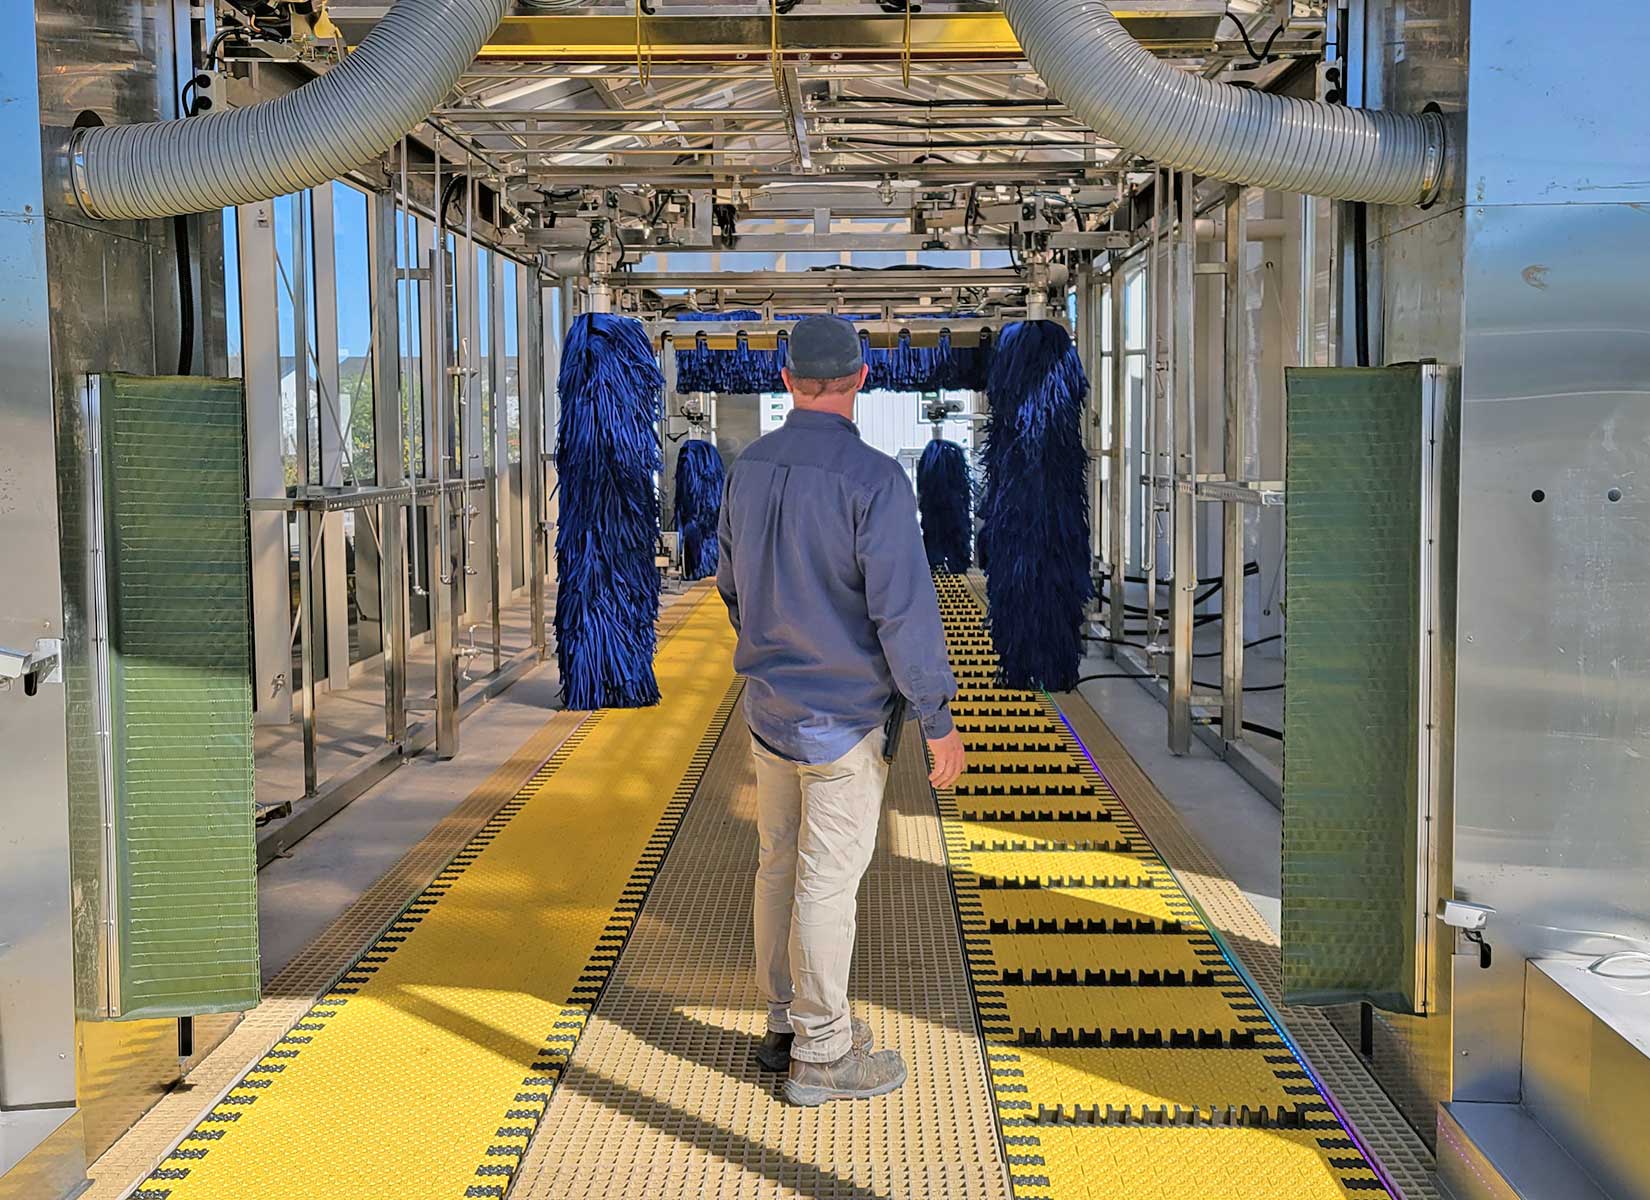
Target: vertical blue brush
(698,506)
(1034,540)
(607,454)
(944,498)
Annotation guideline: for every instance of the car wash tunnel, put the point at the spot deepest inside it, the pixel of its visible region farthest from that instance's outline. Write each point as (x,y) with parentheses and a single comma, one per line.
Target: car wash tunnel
(441,538)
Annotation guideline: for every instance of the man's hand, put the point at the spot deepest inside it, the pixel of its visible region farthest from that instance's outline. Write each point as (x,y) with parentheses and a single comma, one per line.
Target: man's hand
(949,759)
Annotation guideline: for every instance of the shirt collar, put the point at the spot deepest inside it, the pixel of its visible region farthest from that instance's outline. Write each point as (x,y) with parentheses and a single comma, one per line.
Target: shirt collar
(807,418)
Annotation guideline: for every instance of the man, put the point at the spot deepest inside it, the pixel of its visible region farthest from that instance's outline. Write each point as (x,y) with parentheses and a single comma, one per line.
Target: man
(827,585)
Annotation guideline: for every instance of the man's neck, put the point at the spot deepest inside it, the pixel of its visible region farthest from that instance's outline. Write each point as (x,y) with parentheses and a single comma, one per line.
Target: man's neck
(843,408)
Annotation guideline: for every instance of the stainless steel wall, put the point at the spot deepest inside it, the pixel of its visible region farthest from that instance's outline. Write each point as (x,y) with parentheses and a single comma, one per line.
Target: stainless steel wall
(36,987)
(113,297)
(1553,716)
(1418,56)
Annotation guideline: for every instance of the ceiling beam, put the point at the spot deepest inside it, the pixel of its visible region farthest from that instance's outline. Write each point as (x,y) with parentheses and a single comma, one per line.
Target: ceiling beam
(1167,26)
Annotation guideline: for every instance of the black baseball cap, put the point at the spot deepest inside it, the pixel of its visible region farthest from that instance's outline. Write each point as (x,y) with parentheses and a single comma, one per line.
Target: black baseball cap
(824,347)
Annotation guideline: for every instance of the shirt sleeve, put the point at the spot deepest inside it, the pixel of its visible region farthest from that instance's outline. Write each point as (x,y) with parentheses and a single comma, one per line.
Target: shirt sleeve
(899,592)
(724,556)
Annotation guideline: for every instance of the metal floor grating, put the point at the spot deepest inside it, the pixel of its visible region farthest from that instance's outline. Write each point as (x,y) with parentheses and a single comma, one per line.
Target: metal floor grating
(422,1071)
(662,1098)
(1128,1058)
(1400,1150)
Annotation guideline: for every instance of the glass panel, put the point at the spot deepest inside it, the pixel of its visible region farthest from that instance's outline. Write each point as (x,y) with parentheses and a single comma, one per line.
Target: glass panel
(354,282)
(286,336)
(1134,310)
(409,300)
(484,350)
(1105,320)
(232,290)
(510,372)
(512,364)
(304,252)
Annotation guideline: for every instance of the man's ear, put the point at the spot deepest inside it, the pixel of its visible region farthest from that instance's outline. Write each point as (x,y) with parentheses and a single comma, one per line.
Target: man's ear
(864,373)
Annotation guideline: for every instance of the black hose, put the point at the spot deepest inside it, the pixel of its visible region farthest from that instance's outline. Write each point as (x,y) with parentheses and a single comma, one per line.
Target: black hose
(1264,729)
(186,297)
(1267,687)
(1360,277)
(1260,56)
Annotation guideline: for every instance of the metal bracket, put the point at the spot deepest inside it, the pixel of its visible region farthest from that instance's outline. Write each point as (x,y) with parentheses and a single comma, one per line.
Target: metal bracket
(43,664)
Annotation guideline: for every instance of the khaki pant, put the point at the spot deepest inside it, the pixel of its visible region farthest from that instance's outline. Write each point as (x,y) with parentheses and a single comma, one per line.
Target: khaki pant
(817,826)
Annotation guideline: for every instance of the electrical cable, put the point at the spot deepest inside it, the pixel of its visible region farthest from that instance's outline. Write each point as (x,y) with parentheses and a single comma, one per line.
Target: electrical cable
(186,297)
(1249,568)
(1265,730)
(1260,57)
(1204,683)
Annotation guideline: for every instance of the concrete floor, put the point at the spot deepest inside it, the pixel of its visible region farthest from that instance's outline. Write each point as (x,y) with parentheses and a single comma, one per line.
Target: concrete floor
(1237,825)
(299,895)
(349,723)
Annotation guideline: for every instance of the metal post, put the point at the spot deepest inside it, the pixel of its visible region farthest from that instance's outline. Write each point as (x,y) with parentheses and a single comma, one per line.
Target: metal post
(389,465)
(331,439)
(532,375)
(268,537)
(309,535)
(443,619)
(1116,624)
(1233,553)
(494,471)
(1156,330)
(1183,467)
(37,928)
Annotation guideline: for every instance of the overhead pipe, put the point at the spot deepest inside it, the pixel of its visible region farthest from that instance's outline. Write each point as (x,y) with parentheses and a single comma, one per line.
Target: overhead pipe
(347,117)
(1238,135)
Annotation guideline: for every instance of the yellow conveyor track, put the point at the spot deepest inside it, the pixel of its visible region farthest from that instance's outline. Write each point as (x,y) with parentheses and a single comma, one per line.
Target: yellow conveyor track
(423,1071)
(1128,1060)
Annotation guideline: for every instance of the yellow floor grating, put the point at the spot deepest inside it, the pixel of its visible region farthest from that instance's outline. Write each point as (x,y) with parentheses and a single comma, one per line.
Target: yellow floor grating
(662,1097)
(423,1071)
(1128,1059)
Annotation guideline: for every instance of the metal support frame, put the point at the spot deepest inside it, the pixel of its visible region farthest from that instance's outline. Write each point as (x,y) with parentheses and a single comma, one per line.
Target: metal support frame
(389,465)
(714,37)
(443,581)
(37,995)
(496,463)
(535,362)
(1233,513)
(1182,437)
(1117,498)
(330,434)
(272,688)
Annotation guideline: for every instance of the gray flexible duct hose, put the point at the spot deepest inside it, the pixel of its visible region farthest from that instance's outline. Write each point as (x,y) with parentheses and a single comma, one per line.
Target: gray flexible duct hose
(1149,107)
(330,126)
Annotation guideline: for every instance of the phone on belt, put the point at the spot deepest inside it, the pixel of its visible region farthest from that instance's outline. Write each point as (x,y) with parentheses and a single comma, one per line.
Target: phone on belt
(892,729)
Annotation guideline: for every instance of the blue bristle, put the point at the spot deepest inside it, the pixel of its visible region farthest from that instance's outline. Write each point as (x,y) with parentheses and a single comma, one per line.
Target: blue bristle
(944,498)
(902,367)
(1034,542)
(607,453)
(698,506)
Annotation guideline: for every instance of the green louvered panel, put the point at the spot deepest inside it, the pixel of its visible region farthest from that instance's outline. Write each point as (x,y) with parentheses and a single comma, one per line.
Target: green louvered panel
(174,479)
(1353,560)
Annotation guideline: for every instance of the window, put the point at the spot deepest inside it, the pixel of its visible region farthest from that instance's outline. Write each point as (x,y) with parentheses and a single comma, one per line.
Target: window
(353,267)
(484,351)
(512,363)
(295,293)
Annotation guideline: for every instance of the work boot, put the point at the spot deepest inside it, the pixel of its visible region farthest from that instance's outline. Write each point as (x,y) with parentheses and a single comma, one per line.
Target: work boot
(774,1050)
(857,1075)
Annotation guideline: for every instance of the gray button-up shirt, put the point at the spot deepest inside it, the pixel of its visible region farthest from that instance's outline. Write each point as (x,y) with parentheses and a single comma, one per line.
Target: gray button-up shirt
(828,586)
